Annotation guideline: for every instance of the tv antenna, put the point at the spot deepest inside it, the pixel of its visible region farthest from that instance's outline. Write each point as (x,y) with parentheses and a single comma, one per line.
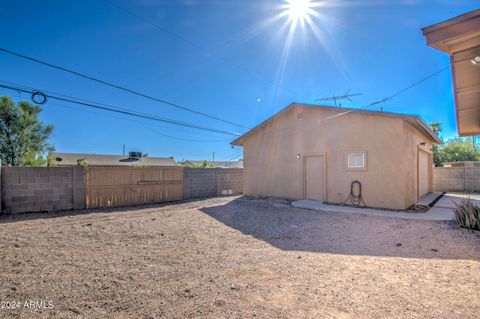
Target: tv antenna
(345,96)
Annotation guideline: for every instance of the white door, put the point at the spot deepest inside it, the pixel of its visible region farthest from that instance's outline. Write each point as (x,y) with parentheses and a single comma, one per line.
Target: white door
(423,173)
(315,177)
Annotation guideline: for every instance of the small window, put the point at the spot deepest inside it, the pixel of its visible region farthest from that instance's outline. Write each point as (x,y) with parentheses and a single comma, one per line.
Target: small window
(356,160)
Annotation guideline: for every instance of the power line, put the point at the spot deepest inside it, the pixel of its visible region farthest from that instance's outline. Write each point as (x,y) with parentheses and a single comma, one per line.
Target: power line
(386,99)
(417,83)
(103,104)
(121,111)
(234,157)
(91,78)
(391,97)
(196,46)
(149,128)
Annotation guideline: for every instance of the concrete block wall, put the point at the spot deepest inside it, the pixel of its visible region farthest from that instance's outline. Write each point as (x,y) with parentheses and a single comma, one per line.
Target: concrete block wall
(476,178)
(229,181)
(41,189)
(456,179)
(202,182)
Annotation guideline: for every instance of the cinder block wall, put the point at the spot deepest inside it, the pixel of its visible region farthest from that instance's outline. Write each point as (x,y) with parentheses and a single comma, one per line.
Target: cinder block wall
(41,189)
(456,179)
(202,182)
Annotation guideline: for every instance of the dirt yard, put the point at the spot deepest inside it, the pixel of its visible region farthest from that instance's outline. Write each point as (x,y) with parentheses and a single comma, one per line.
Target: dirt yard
(236,257)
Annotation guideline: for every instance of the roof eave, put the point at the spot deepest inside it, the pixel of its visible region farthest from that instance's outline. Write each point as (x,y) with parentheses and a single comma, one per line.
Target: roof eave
(240,140)
(427,128)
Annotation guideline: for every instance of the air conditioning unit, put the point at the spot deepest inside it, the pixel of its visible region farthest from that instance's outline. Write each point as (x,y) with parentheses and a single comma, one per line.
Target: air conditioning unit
(134,155)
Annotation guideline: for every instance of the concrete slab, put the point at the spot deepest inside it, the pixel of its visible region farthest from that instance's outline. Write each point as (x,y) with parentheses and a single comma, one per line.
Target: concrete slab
(426,199)
(442,210)
(432,214)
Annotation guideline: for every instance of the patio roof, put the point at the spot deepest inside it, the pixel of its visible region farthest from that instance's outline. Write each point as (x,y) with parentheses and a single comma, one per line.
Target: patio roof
(460,38)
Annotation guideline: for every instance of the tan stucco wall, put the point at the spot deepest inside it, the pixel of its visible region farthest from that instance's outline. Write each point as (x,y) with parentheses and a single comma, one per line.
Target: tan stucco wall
(271,166)
(413,140)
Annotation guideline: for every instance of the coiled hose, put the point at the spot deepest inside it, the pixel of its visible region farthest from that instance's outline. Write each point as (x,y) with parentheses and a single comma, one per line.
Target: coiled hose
(356,199)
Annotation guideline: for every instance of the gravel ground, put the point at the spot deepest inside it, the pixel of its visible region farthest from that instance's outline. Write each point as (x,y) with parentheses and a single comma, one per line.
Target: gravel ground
(236,257)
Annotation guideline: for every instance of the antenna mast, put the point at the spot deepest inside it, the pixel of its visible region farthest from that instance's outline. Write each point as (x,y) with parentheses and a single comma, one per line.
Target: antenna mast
(345,96)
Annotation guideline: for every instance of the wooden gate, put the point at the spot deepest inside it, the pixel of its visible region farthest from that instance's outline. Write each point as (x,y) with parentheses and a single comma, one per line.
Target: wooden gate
(124,186)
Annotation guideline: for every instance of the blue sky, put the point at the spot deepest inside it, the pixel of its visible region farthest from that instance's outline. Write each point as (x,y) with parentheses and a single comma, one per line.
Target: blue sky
(372,47)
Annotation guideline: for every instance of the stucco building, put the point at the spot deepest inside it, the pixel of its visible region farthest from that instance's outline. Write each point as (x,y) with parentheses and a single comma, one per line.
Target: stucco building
(316,152)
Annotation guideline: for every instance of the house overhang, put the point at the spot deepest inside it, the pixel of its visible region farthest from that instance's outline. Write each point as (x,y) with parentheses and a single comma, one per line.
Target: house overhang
(460,38)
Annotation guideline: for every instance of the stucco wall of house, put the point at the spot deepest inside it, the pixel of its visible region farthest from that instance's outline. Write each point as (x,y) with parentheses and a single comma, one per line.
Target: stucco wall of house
(271,166)
(412,145)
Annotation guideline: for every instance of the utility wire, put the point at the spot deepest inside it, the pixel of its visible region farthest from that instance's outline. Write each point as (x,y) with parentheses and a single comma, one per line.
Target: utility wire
(196,46)
(147,127)
(103,104)
(122,111)
(417,83)
(391,97)
(88,77)
(386,99)
(233,157)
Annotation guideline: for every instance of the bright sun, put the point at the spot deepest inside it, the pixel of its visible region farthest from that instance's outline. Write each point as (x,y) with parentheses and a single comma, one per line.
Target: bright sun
(299,11)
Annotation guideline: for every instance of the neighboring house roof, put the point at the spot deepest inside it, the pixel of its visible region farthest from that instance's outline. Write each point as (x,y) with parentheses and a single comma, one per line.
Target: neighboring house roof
(414,120)
(71,159)
(219,164)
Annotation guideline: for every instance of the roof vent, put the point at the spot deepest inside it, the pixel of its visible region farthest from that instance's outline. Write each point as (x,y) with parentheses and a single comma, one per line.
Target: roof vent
(135,155)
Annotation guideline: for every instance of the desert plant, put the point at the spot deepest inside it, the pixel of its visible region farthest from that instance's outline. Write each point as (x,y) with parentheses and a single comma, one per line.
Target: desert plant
(467,214)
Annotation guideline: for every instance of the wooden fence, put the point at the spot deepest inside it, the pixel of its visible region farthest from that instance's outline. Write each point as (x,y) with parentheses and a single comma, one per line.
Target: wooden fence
(45,189)
(124,186)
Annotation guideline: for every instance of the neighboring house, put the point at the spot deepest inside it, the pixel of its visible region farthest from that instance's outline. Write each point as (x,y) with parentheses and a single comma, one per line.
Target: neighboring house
(226,164)
(133,159)
(460,38)
(316,152)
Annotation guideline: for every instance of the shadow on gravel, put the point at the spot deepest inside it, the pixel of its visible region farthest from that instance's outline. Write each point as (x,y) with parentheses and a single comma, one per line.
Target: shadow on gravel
(11,218)
(294,229)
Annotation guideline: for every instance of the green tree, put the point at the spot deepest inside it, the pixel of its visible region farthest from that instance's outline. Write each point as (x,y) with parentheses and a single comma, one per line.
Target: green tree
(437,129)
(23,137)
(457,150)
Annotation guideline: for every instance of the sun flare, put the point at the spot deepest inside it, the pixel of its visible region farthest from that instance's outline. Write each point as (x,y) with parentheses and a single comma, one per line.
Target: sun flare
(299,11)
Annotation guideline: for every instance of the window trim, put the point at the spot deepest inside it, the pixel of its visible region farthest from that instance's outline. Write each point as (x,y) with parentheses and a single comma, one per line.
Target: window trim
(360,168)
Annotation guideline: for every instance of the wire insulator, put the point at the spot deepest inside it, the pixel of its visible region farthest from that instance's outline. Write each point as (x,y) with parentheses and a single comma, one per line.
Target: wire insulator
(39,98)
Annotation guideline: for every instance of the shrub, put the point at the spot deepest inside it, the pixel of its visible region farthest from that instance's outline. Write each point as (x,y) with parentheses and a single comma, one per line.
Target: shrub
(82,162)
(467,214)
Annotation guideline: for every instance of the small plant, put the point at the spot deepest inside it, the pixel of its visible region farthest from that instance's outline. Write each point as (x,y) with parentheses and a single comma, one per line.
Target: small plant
(82,162)
(467,214)
(204,164)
